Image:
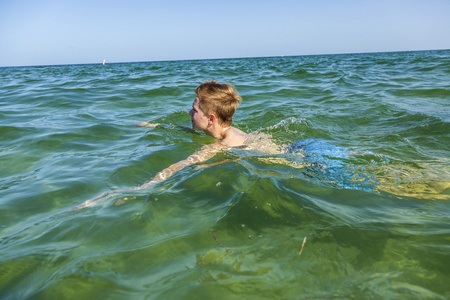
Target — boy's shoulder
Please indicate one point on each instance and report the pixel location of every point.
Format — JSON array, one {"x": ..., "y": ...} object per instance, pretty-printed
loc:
[{"x": 234, "y": 137}]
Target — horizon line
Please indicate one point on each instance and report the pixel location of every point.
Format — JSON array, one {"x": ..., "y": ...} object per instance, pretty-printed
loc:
[{"x": 220, "y": 58}]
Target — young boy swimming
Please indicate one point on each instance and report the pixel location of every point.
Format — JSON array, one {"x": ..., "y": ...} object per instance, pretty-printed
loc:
[{"x": 212, "y": 112}]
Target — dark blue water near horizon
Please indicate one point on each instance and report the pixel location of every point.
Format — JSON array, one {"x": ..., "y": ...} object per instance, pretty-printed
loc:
[
  {"x": 225, "y": 59},
  {"x": 366, "y": 180}
]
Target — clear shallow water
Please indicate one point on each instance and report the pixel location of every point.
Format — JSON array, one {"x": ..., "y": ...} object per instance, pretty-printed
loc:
[{"x": 67, "y": 135}]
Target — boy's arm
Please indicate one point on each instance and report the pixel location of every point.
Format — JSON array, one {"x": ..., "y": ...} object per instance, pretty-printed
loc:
[
  {"x": 205, "y": 153},
  {"x": 169, "y": 126},
  {"x": 146, "y": 124}
]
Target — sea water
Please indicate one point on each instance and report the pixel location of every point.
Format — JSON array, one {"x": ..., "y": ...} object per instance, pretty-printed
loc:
[{"x": 366, "y": 181}]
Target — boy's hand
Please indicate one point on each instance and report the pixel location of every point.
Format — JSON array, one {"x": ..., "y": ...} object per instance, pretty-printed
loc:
[{"x": 146, "y": 124}]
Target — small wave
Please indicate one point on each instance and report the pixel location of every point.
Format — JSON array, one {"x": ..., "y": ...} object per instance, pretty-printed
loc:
[
  {"x": 13, "y": 133},
  {"x": 302, "y": 73},
  {"x": 421, "y": 92},
  {"x": 164, "y": 91},
  {"x": 286, "y": 123}
]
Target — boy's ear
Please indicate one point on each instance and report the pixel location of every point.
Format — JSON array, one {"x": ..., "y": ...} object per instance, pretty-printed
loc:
[{"x": 212, "y": 118}]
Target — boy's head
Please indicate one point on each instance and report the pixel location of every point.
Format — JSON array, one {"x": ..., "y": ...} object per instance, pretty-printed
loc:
[{"x": 220, "y": 99}]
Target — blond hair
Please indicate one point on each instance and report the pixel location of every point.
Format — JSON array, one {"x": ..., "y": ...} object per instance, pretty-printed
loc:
[{"x": 221, "y": 99}]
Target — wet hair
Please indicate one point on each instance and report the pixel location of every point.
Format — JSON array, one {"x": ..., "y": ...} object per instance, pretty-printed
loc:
[{"x": 221, "y": 99}]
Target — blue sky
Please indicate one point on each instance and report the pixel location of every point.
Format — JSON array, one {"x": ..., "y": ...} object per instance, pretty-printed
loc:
[{"x": 44, "y": 32}]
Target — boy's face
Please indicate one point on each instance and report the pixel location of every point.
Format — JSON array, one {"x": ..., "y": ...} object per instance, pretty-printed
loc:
[{"x": 198, "y": 118}]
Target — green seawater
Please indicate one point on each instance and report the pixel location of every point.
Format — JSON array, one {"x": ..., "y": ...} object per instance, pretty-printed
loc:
[{"x": 67, "y": 134}]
